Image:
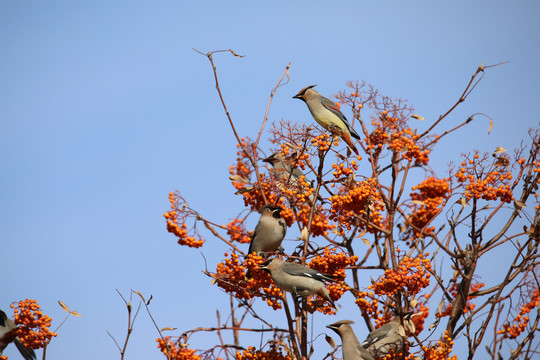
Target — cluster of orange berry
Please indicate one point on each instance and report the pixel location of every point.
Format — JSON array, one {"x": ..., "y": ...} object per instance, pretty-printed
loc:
[
  {"x": 432, "y": 193},
  {"x": 300, "y": 161},
  {"x": 521, "y": 320},
  {"x": 405, "y": 142},
  {"x": 491, "y": 185},
  {"x": 297, "y": 190},
  {"x": 173, "y": 226},
  {"x": 453, "y": 290},
  {"x": 341, "y": 171},
  {"x": 242, "y": 167},
  {"x": 237, "y": 231},
  {"x": 333, "y": 263},
  {"x": 368, "y": 307},
  {"x": 231, "y": 277},
  {"x": 412, "y": 273},
  {"x": 377, "y": 138},
  {"x": 357, "y": 200},
  {"x": 320, "y": 224},
  {"x": 176, "y": 353},
  {"x": 33, "y": 325},
  {"x": 323, "y": 142},
  {"x": 440, "y": 350},
  {"x": 252, "y": 353},
  {"x": 421, "y": 312}
]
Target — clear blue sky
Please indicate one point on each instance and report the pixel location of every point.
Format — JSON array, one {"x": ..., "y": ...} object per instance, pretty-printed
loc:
[{"x": 105, "y": 109}]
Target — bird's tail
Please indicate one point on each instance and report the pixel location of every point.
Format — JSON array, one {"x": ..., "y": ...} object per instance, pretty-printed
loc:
[
  {"x": 324, "y": 294},
  {"x": 347, "y": 138},
  {"x": 27, "y": 353}
]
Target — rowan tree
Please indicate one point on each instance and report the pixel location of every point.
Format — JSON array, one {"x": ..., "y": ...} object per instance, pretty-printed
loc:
[{"x": 362, "y": 217}]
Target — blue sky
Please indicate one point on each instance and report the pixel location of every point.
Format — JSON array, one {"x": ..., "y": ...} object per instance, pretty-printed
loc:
[{"x": 105, "y": 109}]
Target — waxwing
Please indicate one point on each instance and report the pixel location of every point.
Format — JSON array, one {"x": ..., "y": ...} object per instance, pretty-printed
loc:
[
  {"x": 298, "y": 279},
  {"x": 351, "y": 348},
  {"x": 328, "y": 115},
  {"x": 8, "y": 335},
  {"x": 269, "y": 232},
  {"x": 389, "y": 336},
  {"x": 284, "y": 172}
]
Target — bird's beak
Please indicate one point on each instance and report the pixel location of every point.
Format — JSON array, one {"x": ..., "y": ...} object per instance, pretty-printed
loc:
[
  {"x": 264, "y": 265},
  {"x": 297, "y": 97},
  {"x": 333, "y": 328}
]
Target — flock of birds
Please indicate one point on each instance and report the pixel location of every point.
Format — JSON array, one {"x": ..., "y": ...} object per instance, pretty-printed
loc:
[
  {"x": 300, "y": 280},
  {"x": 291, "y": 277}
]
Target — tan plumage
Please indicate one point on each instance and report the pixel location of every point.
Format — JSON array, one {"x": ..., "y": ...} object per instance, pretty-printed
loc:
[
  {"x": 298, "y": 279},
  {"x": 269, "y": 232},
  {"x": 8, "y": 334},
  {"x": 390, "y": 336},
  {"x": 328, "y": 115},
  {"x": 351, "y": 348}
]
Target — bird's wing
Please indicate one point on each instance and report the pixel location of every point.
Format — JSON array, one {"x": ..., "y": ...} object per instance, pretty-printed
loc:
[
  {"x": 295, "y": 269},
  {"x": 364, "y": 354},
  {"x": 253, "y": 237},
  {"x": 331, "y": 106},
  {"x": 375, "y": 336},
  {"x": 283, "y": 225},
  {"x": 27, "y": 353}
]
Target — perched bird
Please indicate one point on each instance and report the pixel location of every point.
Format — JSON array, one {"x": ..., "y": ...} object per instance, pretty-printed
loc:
[
  {"x": 389, "y": 336},
  {"x": 298, "y": 279},
  {"x": 328, "y": 115},
  {"x": 351, "y": 349},
  {"x": 8, "y": 334},
  {"x": 285, "y": 172},
  {"x": 269, "y": 232}
]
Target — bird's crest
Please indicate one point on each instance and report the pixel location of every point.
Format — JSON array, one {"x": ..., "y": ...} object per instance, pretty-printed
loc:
[{"x": 303, "y": 91}]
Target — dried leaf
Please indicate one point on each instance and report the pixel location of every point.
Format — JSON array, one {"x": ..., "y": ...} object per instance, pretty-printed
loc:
[
  {"x": 74, "y": 313},
  {"x": 244, "y": 190},
  {"x": 330, "y": 341},
  {"x": 499, "y": 150},
  {"x": 417, "y": 202},
  {"x": 167, "y": 328},
  {"x": 410, "y": 327},
  {"x": 413, "y": 302},
  {"x": 142, "y": 297},
  {"x": 238, "y": 178},
  {"x": 291, "y": 145},
  {"x": 361, "y": 233},
  {"x": 462, "y": 202},
  {"x": 432, "y": 326},
  {"x": 366, "y": 241},
  {"x": 439, "y": 309},
  {"x": 490, "y": 126},
  {"x": 63, "y": 306},
  {"x": 350, "y": 182},
  {"x": 335, "y": 231},
  {"x": 519, "y": 204},
  {"x": 417, "y": 117},
  {"x": 305, "y": 235}
]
